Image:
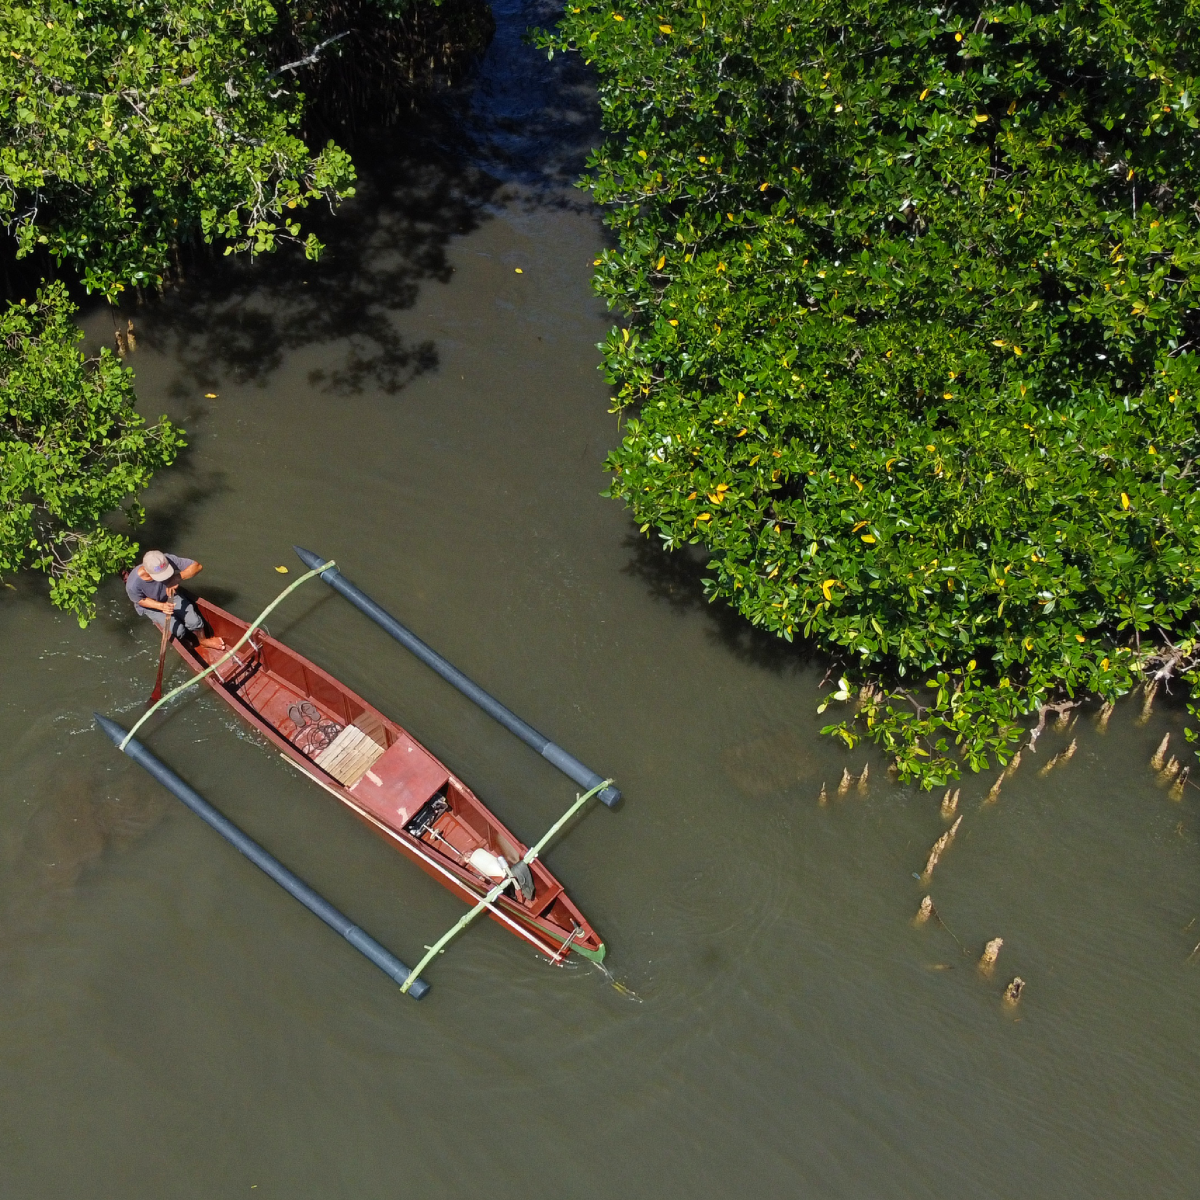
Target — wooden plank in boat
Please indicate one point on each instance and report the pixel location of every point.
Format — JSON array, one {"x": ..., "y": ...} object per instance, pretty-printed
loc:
[{"x": 349, "y": 756}]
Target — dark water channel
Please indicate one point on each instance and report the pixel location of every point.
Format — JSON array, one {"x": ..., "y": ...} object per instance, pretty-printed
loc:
[{"x": 175, "y": 1027}]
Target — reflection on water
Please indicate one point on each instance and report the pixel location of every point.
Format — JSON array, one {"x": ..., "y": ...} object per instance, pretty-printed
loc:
[{"x": 175, "y": 1026}]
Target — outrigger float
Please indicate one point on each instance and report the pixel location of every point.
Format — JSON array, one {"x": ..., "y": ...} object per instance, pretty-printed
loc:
[{"x": 387, "y": 779}]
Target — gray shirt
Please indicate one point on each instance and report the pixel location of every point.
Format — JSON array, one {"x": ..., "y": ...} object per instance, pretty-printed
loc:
[{"x": 139, "y": 589}]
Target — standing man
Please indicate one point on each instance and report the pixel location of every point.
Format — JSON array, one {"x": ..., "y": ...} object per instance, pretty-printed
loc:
[{"x": 154, "y": 589}]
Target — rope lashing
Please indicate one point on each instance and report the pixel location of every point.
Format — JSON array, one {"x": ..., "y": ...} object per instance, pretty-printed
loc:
[
  {"x": 492, "y": 896},
  {"x": 262, "y": 616}
]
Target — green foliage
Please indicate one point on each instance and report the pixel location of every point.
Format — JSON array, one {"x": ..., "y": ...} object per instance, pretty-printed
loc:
[
  {"x": 128, "y": 127},
  {"x": 912, "y": 352},
  {"x": 72, "y": 449}
]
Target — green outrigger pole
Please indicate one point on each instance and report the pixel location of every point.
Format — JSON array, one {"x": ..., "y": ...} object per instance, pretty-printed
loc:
[{"x": 496, "y": 892}]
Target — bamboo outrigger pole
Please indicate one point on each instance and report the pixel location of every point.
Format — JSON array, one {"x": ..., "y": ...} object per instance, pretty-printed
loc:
[
  {"x": 490, "y": 899},
  {"x": 568, "y": 764},
  {"x": 366, "y": 945}
]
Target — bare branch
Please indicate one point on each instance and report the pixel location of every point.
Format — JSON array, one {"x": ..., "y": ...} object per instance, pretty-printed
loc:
[{"x": 309, "y": 59}]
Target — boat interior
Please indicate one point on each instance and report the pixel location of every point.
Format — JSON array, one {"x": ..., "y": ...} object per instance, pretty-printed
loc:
[{"x": 386, "y": 772}]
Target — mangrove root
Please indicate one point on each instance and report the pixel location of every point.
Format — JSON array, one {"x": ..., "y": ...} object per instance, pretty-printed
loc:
[
  {"x": 862, "y": 779},
  {"x": 823, "y": 798},
  {"x": 1176, "y": 792},
  {"x": 924, "y": 912},
  {"x": 939, "y": 848},
  {"x": 991, "y": 952},
  {"x": 994, "y": 792},
  {"x": 1050, "y": 765},
  {"x": 1156, "y": 763},
  {"x": 1011, "y": 769},
  {"x": 131, "y": 337},
  {"x": 844, "y": 786},
  {"x": 1106, "y": 711},
  {"x": 1148, "y": 703},
  {"x": 949, "y": 803},
  {"x": 1012, "y": 993}
]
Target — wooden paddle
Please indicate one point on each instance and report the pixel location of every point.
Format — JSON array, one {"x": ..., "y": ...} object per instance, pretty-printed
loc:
[{"x": 156, "y": 695}]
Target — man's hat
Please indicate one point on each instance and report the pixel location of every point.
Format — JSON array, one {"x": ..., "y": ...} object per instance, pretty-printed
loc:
[{"x": 158, "y": 566}]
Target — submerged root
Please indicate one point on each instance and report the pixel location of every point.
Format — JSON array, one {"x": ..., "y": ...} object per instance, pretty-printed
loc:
[
  {"x": 131, "y": 337},
  {"x": 1012, "y": 993},
  {"x": 939, "y": 848},
  {"x": 823, "y": 798},
  {"x": 1148, "y": 703},
  {"x": 1168, "y": 773},
  {"x": 862, "y": 779},
  {"x": 1011, "y": 769},
  {"x": 1156, "y": 763},
  {"x": 1050, "y": 765},
  {"x": 991, "y": 952},
  {"x": 1176, "y": 792},
  {"x": 950, "y": 803},
  {"x": 994, "y": 792},
  {"x": 924, "y": 912},
  {"x": 1106, "y": 711},
  {"x": 1069, "y": 752},
  {"x": 844, "y": 786}
]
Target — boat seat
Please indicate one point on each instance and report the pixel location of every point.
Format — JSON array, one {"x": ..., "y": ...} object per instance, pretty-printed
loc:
[{"x": 350, "y": 755}]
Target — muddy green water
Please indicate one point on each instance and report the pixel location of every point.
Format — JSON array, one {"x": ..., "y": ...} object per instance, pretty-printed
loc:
[{"x": 173, "y": 1026}]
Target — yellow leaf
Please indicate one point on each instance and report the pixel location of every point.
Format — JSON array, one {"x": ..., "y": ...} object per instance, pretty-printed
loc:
[
  {"x": 1152, "y": 450},
  {"x": 658, "y": 266},
  {"x": 1018, "y": 351},
  {"x": 518, "y": 270},
  {"x": 665, "y": 29},
  {"x": 210, "y": 395},
  {"x": 282, "y": 570},
  {"x": 742, "y": 432},
  {"x": 704, "y": 517},
  {"x": 958, "y": 37},
  {"x": 641, "y": 154},
  {"x": 866, "y": 537},
  {"x": 1012, "y": 108},
  {"x": 923, "y": 94},
  {"x": 947, "y": 395},
  {"x": 1029, "y": 643},
  {"x": 763, "y": 187},
  {"x": 887, "y": 466},
  {"x": 1124, "y": 500},
  {"x": 1104, "y": 663},
  {"x": 1080, "y": 638},
  {"x": 672, "y": 322},
  {"x": 827, "y": 585},
  {"x": 931, "y": 449},
  {"x": 980, "y": 118},
  {"x": 971, "y": 665},
  {"x": 858, "y": 526},
  {"x": 617, "y": 17}
]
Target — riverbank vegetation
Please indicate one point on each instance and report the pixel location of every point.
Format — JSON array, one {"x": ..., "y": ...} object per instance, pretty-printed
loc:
[
  {"x": 911, "y": 349},
  {"x": 130, "y": 132}
]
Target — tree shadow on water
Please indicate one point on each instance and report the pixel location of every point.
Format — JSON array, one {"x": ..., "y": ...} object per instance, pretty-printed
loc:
[
  {"x": 237, "y": 318},
  {"x": 677, "y": 580}
]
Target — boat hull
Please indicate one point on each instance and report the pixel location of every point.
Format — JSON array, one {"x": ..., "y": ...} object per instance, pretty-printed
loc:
[{"x": 390, "y": 782}]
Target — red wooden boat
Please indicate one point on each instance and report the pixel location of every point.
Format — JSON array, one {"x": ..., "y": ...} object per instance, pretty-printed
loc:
[{"x": 390, "y": 781}]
